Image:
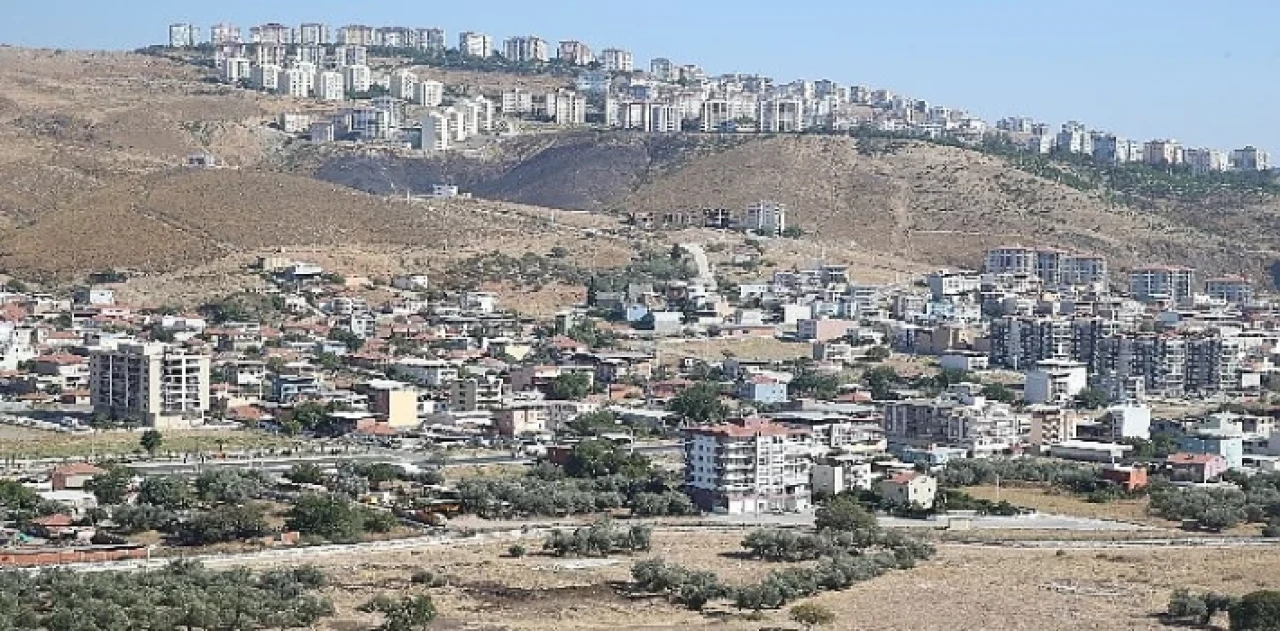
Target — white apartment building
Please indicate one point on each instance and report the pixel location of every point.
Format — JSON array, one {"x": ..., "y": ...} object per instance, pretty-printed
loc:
[
  {"x": 781, "y": 116},
  {"x": 477, "y": 115},
  {"x": 273, "y": 54},
  {"x": 17, "y": 345},
  {"x": 351, "y": 55},
  {"x": 765, "y": 217},
  {"x": 236, "y": 68},
  {"x": 1204, "y": 160},
  {"x": 754, "y": 466},
  {"x": 329, "y": 86},
  {"x": 429, "y": 93},
  {"x": 357, "y": 78},
  {"x": 526, "y": 48},
  {"x": 402, "y": 84},
  {"x": 1055, "y": 382},
  {"x": 1109, "y": 149},
  {"x": 314, "y": 34},
  {"x": 224, "y": 34},
  {"x": 617, "y": 60},
  {"x": 474, "y": 44},
  {"x": 1230, "y": 289},
  {"x": 183, "y": 35},
  {"x": 296, "y": 82},
  {"x": 160, "y": 385},
  {"x": 267, "y": 77},
  {"x": 431, "y": 39},
  {"x": 575, "y": 53},
  {"x": 271, "y": 33},
  {"x": 517, "y": 102},
  {"x": 1162, "y": 282},
  {"x": 663, "y": 69},
  {"x": 566, "y": 107},
  {"x": 1162, "y": 153}
]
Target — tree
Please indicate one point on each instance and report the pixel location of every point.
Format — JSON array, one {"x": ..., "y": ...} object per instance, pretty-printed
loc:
[
  {"x": 1258, "y": 610},
  {"x": 166, "y": 491},
  {"x": 1091, "y": 399},
  {"x": 999, "y": 392},
  {"x": 699, "y": 404},
  {"x": 349, "y": 339},
  {"x": 410, "y": 613},
  {"x": 571, "y": 386},
  {"x": 110, "y": 487},
  {"x": 812, "y": 615},
  {"x": 881, "y": 380},
  {"x": 592, "y": 423},
  {"x": 844, "y": 514},
  {"x": 228, "y": 485},
  {"x": 225, "y": 523},
  {"x": 305, "y": 473},
  {"x": 877, "y": 353},
  {"x": 326, "y": 515},
  {"x": 599, "y": 458},
  {"x": 151, "y": 440}
]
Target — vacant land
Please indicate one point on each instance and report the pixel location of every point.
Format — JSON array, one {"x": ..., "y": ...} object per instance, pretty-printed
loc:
[
  {"x": 965, "y": 587},
  {"x": 1048, "y": 500},
  {"x": 29, "y": 443}
]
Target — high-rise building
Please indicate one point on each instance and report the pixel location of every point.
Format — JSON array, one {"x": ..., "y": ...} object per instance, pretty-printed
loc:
[
  {"x": 313, "y": 33},
  {"x": 351, "y": 55},
  {"x": 183, "y": 35},
  {"x": 566, "y": 107},
  {"x": 356, "y": 35},
  {"x": 267, "y": 77},
  {"x": 575, "y": 53},
  {"x": 357, "y": 78},
  {"x": 236, "y": 68},
  {"x": 1162, "y": 153},
  {"x": 329, "y": 86},
  {"x": 157, "y": 384},
  {"x": 1162, "y": 282},
  {"x": 663, "y": 69},
  {"x": 617, "y": 60},
  {"x": 1250, "y": 159},
  {"x": 271, "y": 33},
  {"x": 526, "y": 48},
  {"x": 224, "y": 34},
  {"x": 753, "y": 466},
  {"x": 765, "y": 217},
  {"x": 1205, "y": 160},
  {"x": 403, "y": 83},
  {"x": 781, "y": 116},
  {"x": 297, "y": 82},
  {"x": 431, "y": 39},
  {"x": 429, "y": 93},
  {"x": 270, "y": 54},
  {"x": 1235, "y": 290},
  {"x": 474, "y": 44}
]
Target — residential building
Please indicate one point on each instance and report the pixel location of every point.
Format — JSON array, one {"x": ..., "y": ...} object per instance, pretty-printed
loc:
[
  {"x": 357, "y": 79},
  {"x": 74, "y": 476},
  {"x": 765, "y": 217},
  {"x": 267, "y": 77},
  {"x": 1128, "y": 478},
  {"x": 1010, "y": 260},
  {"x": 432, "y": 40},
  {"x": 329, "y": 86},
  {"x": 977, "y": 425},
  {"x": 1235, "y": 290},
  {"x": 1051, "y": 425},
  {"x": 1089, "y": 451},
  {"x": 1128, "y": 420},
  {"x": 1074, "y": 138},
  {"x": 909, "y": 488},
  {"x": 1108, "y": 149},
  {"x": 1226, "y": 442},
  {"x": 314, "y": 34},
  {"x": 296, "y": 82},
  {"x": 526, "y": 49},
  {"x": 435, "y": 132},
  {"x": 183, "y": 35},
  {"x": 824, "y": 330},
  {"x": 565, "y": 107},
  {"x": 1203, "y": 161},
  {"x": 270, "y": 54},
  {"x": 1250, "y": 159},
  {"x": 224, "y": 34},
  {"x": 616, "y": 60},
  {"x": 845, "y": 472},
  {"x": 517, "y": 102},
  {"x": 1162, "y": 153},
  {"x": 351, "y": 55},
  {"x": 403, "y": 84},
  {"x": 236, "y": 69},
  {"x": 1056, "y": 381},
  {"x": 575, "y": 53},
  {"x": 1162, "y": 282},
  {"x": 356, "y": 35},
  {"x": 762, "y": 389},
  {"x": 272, "y": 33},
  {"x": 752, "y": 466},
  {"x": 429, "y": 93},
  {"x": 663, "y": 69},
  {"x": 395, "y": 404},
  {"x": 1018, "y": 341},
  {"x": 781, "y": 116},
  {"x": 1196, "y": 467},
  {"x": 474, "y": 44},
  {"x": 157, "y": 384},
  {"x": 520, "y": 420},
  {"x": 468, "y": 395}
]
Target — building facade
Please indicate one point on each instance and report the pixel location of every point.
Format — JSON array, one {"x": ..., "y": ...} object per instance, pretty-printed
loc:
[{"x": 159, "y": 385}]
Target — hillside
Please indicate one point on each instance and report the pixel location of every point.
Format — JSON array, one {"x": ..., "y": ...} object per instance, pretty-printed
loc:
[{"x": 932, "y": 204}]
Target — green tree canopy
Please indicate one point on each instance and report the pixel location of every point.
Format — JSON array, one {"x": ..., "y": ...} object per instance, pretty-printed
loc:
[
  {"x": 571, "y": 386},
  {"x": 699, "y": 404}
]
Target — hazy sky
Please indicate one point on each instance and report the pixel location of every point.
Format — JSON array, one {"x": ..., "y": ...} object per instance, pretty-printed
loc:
[{"x": 1202, "y": 72}]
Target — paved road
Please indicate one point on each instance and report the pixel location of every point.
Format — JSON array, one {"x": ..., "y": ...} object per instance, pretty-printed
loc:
[{"x": 1036, "y": 521}]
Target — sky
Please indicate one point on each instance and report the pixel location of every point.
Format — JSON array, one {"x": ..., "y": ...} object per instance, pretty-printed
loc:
[{"x": 1201, "y": 72}]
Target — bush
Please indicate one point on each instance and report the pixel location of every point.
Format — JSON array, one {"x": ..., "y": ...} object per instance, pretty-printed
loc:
[
  {"x": 516, "y": 550},
  {"x": 1256, "y": 611},
  {"x": 429, "y": 578},
  {"x": 812, "y": 615},
  {"x": 599, "y": 539}
]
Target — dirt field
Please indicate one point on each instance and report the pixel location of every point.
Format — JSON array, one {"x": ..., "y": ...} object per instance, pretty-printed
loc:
[
  {"x": 30, "y": 443},
  {"x": 964, "y": 587},
  {"x": 1051, "y": 501}
]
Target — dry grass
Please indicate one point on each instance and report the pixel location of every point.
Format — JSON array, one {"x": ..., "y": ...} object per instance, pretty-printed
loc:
[
  {"x": 29, "y": 443},
  {"x": 965, "y": 587},
  {"x": 1061, "y": 503}
]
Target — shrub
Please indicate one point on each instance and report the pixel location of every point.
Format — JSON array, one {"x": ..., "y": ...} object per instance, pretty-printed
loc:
[{"x": 516, "y": 550}]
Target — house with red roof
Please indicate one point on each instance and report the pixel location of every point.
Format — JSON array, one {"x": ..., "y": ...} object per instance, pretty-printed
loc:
[
  {"x": 1199, "y": 468},
  {"x": 909, "y": 488}
]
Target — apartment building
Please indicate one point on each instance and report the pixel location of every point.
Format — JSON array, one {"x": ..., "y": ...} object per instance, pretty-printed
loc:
[
  {"x": 159, "y": 385},
  {"x": 474, "y": 44},
  {"x": 1158, "y": 362},
  {"x": 235, "y": 69},
  {"x": 356, "y": 35},
  {"x": 403, "y": 83},
  {"x": 1234, "y": 290},
  {"x": 357, "y": 78},
  {"x": 565, "y": 107},
  {"x": 431, "y": 39},
  {"x": 1055, "y": 382},
  {"x": 1019, "y": 342},
  {"x": 428, "y": 93},
  {"x": 526, "y": 49},
  {"x": 975, "y": 424},
  {"x": 314, "y": 34},
  {"x": 1162, "y": 282},
  {"x": 781, "y": 116},
  {"x": 183, "y": 35},
  {"x": 663, "y": 69},
  {"x": 575, "y": 53},
  {"x": 1250, "y": 159},
  {"x": 765, "y": 217},
  {"x": 752, "y": 466},
  {"x": 1108, "y": 149},
  {"x": 351, "y": 55},
  {"x": 617, "y": 60},
  {"x": 224, "y": 34},
  {"x": 1162, "y": 153},
  {"x": 1202, "y": 161},
  {"x": 395, "y": 37},
  {"x": 329, "y": 86},
  {"x": 267, "y": 77},
  {"x": 469, "y": 395},
  {"x": 271, "y": 33}
]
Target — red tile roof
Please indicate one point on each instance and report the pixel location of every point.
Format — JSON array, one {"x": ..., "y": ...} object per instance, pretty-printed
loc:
[
  {"x": 78, "y": 468},
  {"x": 1185, "y": 458}
]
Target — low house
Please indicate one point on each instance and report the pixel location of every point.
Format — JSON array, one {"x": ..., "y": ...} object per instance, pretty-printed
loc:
[
  {"x": 909, "y": 488},
  {"x": 762, "y": 389},
  {"x": 1127, "y": 478},
  {"x": 57, "y": 526},
  {"x": 1200, "y": 468},
  {"x": 73, "y": 476}
]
